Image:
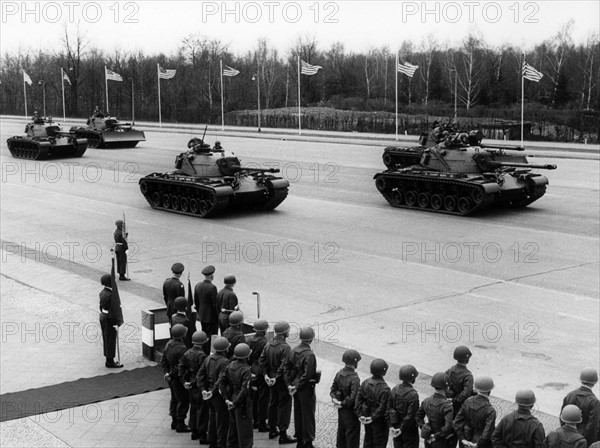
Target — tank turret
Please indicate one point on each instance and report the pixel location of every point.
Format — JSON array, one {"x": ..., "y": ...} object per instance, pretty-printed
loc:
[{"x": 104, "y": 131}]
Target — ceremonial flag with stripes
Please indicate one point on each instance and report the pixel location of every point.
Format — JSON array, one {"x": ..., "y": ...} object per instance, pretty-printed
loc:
[
  {"x": 307, "y": 69},
  {"x": 66, "y": 78},
  {"x": 113, "y": 76},
  {"x": 228, "y": 71},
  {"x": 408, "y": 69},
  {"x": 531, "y": 73},
  {"x": 26, "y": 78},
  {"x": 164, "y": 73}
]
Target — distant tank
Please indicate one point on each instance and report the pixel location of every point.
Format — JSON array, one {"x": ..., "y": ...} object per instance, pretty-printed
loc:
[
  {"x": 460, "y": 176},
  {"x": 44, "y": 139},
  {"x": 104, "y": 131},
  {"x": 209, "y": 180}
]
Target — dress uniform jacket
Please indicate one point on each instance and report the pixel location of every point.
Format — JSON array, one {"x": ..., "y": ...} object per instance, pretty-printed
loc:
[
  {"x": 257, "y": 344},
  {"x": 172, "y": 288},
  {"x": 439, "y": 413},
  {"x": 235, "y": 386},
  {"x": 109, "y": 334},
  {"x": 270, "y": 363},
  {"x": 402, "y": 411},
  {"x": 476, "y": 421},
  {"x": 345, "y": 389},
  {"x": 461, "y": 385},
  {"x": 207, "y": 379},
  {"x": 189, "y": 365},
  {"x": 585, "y": 400},
  {"x": 169, "y": 362},
  {"x": 120, "y": 247},
  {"x": 519, "y": 429},
  {"x": 565, "y": 437},
  {"x": 235, "y": 336},
  {"x": 205, "y": 300},
  {"x": 226, "y": 299},
  {"x": 372, "y": 401},
  {"x": 182, "y": 319}
]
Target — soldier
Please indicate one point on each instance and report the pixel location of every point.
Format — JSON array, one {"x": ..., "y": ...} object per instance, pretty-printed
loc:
[
  {"x": 172, "y": 354},
  {"x": 260, "y": 399},
  {"x": 107, "y": 325},
  {"x": 475, "y": 422},
  {"x": 207, "y": 379},
  {"x": 589, "y": 405},
  {"x": 180, "y": 317},
  {"x": 343, "y": 395},
  {"x": 301, "y": 376},
  {"x": 520, "y": 428},
  {"x": 227, "y": 302},
  {"x": 205, "y": 301},
  {"x": 234, "y": 333},
  {"x": 189, "y": 365},
  {"x": 567, "y": 435},
  {"x": 371, "y": 406},
  {"x": 236, "y": 389},
  {"x": 402, "y": 410},
  {"x": 271, "y": 359},
  {"x": 173, "y": 288},
  {"x": 437, "y": 431},
  {"x": 121, "y": 246},
  {"x": 461, "y": 381}
]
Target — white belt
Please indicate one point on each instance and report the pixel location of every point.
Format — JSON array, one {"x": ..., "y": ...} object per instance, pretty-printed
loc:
[{"x": 104, "y": 311}]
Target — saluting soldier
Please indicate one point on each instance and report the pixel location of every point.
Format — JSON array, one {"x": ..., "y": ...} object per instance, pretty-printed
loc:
[
  {"x": 107, "y": 325},
  {"x": 205, "y": 301},
  {"x": 520, "y": 428},
  {"x": 567, "y": 435},
  {"x": 589, "y": 405},
  {"x": 475, "y": 422},
  {"x": 402, "y": 410},
  {"x": 343, "y": 395},
  {"x": 227, "y": 302},
  {"x": 180, "y": 317},
  {"x": 371, "y": 406},
  {"x": 437, "y": 430},
  {"x": 173, "y": 288},
  {"x": 121, "y": 246},
  {"x": 234, "y": 333},
  {"x": 260, "y": 399}
]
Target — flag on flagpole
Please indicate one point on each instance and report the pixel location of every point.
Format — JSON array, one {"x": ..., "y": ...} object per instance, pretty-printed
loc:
[
  {"x": 66, "y": 78},
  {"x": 164, "y": 73},
  {"x": 228, "y": 71},
  {"x": 408, "y": 69},
  {"x": 113, "y": 76},
  {"x": 189, "y": 312},
  {"x": 307, "y": 69},
  {"x": 115, "y": 312},
  {"x": 531, "y": 73},
  {"x": 26, "y": 78}
]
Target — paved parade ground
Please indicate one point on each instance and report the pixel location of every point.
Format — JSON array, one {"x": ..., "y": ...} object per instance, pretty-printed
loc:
[{"x": 519, "y": 287}]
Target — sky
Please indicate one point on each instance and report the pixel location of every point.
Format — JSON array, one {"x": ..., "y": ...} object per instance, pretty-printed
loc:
[{"x": 159, "y": 27}]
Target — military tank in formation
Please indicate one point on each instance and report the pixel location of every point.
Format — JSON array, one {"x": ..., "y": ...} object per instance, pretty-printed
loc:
[
  {"x": 458, "y": 175},
  {"x": 209, "y": 180},
  {"x": 104, "y": 131},
  {"x": 44, "y": 139}
]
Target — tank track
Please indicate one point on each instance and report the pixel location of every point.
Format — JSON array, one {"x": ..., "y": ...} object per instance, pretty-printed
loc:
[
  {"x": 276, "y": 197},
  {"x": 22, "y": 148}
]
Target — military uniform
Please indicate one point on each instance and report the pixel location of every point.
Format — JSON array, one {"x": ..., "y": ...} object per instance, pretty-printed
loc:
[
  {"x": 109, "y": 333},
  {"x": 226, "y": 300},
  {"x": 260, "y": 399},
  {"x": 207, "y": 308},
  {"x": 476, "y": 421},
  {"x": 121, "y": 247},
  {"x": 461, "y": 385},
  {"x": 344, "y": 389},
  {"x": 565, "y": 436},
  {"x": 169, "y": 362},
  {"x": 234, "y": 384},
  {"x": 401, "y": 411},
  {"x": 235, "y": 336},
  {"x": 519, "y": 429},
  {"x": 438, "y": 410},
  {"x": 189, "y": 365},
  {"x": 172, "y": 288},
  {"x": 207, "y": 379},
  {"x": 589, "y": 404},
  {"x": 181, "y": 318},
  {"x": 372, "y": 401}
]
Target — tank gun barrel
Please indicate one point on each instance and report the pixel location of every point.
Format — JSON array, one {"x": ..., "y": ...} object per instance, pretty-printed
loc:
[
  {"x": 509, "y": 147},
  {"x": 540, "y": 166},
  {"x": 250, "y": 168}
]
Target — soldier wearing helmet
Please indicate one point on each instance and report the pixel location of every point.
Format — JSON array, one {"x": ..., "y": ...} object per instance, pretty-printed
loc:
[
  {"x": 180, "y": 317},
  {"x": 343, "y": 395},
  {"x": 461, "y": 381},
  {"x": 437, "y": 431},
  {"x": 589, "y": 405},
  {"x": 173, "y": 288},
  {"x": 235, "y": 387},
  {"x": 227, "y": 302},
  {"x": 280, "y": 401},
  {"x": 169, "y": 362},
  {"x": 402, "y": 409},
  {"x": 205, "y": 301},
  {"x": 476, "y": 419},
  {"x": 121, "y": 247},
  {"x": 520, "y": 428},
  {"x": 108, "y": 326},
  {"x": 188, "y": 370},
  {"x": 234, "y": 333},
  {"x": 207, "y": 380},
  {"x": 567, "y": 434},
  {"x": 371, "y": 405},
  {"x": 260, "y": 398}
]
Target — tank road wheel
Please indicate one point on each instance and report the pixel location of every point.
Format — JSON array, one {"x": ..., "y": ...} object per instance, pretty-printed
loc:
[
  {"x": 194, "y": 206},
  {"x": 437, "y": 201},
  {"x": 450, "y": 203},
  {"x": 166, "y": 201},
  {"x": 380, "y": 184},
  {"x": 423, "y": 199},
  {"x": 387, "y": 161},
  {"x": 464, "y": 204},
  {"x": 93, "y": 141},
  {"x": 203, "y": 207},
  {"x": 156, "y": 199},
  {"x": 410, "y": 198},
  {"x": 144, "y": 188},
  {"x": 174, "y": 202},
  {"x": 477, "y": 195},
  {"x": 396, "y": 196},
  {"x": 184, "y": 204}
]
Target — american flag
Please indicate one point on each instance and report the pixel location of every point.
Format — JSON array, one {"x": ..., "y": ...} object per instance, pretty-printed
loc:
[
  {"x": 113, "y": 76},
  {"x": 66, "y": 78},
  {"x": 164, "y": 73},
  {"x": 408, "y": 69},
  {"x": 307, "y": 69},
  {"x": 531, "y": 73},
  {"x": 228, "y": 71},
  {"x": 27, "y": 78}
]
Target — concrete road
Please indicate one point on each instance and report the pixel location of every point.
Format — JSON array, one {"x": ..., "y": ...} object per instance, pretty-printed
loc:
[{"x": 518, "y": 287}]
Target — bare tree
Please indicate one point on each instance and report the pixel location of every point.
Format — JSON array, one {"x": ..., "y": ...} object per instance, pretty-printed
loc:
[
  {"x": 425, "y": 60},
  {"x": 559, "y": 46},
  {"x": 469, "y": 69},
  {"x": 75, "y": 44},
  {"x": 588, "y": 60}
]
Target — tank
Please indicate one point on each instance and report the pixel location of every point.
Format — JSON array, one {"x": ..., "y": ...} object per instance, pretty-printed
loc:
[
  {"x": 208, "y": 180},
  {"x": 104, "y": 131},
  {"x": 45, "y": 139},
  {"x": 460, "y": 176}
]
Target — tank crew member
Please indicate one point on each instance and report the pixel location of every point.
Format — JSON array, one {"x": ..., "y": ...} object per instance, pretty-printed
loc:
[
  {"x": 180, "y": 317},
  {"x": 276, "y": 352},
  {"x": 227, "y": 302},
  {"x": 172, "y": 354},
  {"x": 402, "y": 410},
  {"x": 173, "y": 288},
  {"x": 343, "y": 395},
  {"x": 520, "y": 428},
  {"x": 461, "y": 381},
  {"x": 476, "y": 420},
  {"x": 217, "y": 147},
  {"x": 371, "y": 406},
  {"x": 189, "y": 365},
  {"x": 589, "y": 405},
  {"x": 260, "y": 399},
  {"x": 107, "y": 325},
  {"x": 205, "y": 301},
  {"x": 567, "y": 435},
  {"x": 234, "y": 333},
  {"x": 437, "y": 431},
  {"x": 301, "y": 376},
  {"x": 207, "y": 379},
  {"x": 121, "y": 247},
  {"x": 235, "y": 387}
]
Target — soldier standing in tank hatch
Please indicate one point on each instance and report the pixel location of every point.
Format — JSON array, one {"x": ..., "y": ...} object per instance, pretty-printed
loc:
[
  {"x": 520, "y": 428},
  {"x": 343, "y": 395},
  {"x": 402, "y": 410},
  {"x": 207, "y": 308},
  {"x": 589, "y": 405},
  {"x": 121, "y": 247},
  {"x": 228, "y": 302},
  {"x": 173, "y": 288},
  {"x": 475, "y": 422},
  {"x": 107, "y": 325}
]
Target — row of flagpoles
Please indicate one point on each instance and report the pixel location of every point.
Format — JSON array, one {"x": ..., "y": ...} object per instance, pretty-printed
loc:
[{"x": 304, "y": 68}]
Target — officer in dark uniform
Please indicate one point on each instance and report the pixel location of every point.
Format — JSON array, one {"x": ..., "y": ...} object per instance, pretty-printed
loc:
[
  {"x": 180, "y": 401},
  {"x": 271, "y": 360},
  {"x": 475, "y": 422},
  {"x": 227, "y": 302},
  {"x": 402, "y": 410},
  {"x": 107, "y": 325},
  {"x": 173, "y": 288},
  {"x": 520, "y": 428},
  {"x": 589, "y": 405},
  {"x": 343, "y": 395},
  {"x": 437, "y": 432},
  {"x": 236, "y": 389},
  {"x": 260, "y": 398},
  {"x": 207, "y": 379},
  {"x": 189, "y": 365},
  {"x": 205, "y": 301},
  {"x": 461, "y": 381},
  {"x": 180, "y": 317},
  {"x": 234, "y": 333},
  {"x": 301, "y": 377},
  {"x": 121, "y": 247},
  {"x": 567, "y": 435},
  {"x": 371, "y": 406}
]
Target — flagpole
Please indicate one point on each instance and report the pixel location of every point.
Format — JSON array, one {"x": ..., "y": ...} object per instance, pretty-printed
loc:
[
  {"x": 222, "y": 109},
  {"x": 522, "y": 96},
  {"x": 106, "y": 84},
  {"x": 62, "y": 81},
  {"x": 396, "y": 70},
  {"x": 132, "y": 103},
  {"x": 25, "y": 94},
  {"x": 158, "y": 81},
  {"x": 299, "y": 114}
]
